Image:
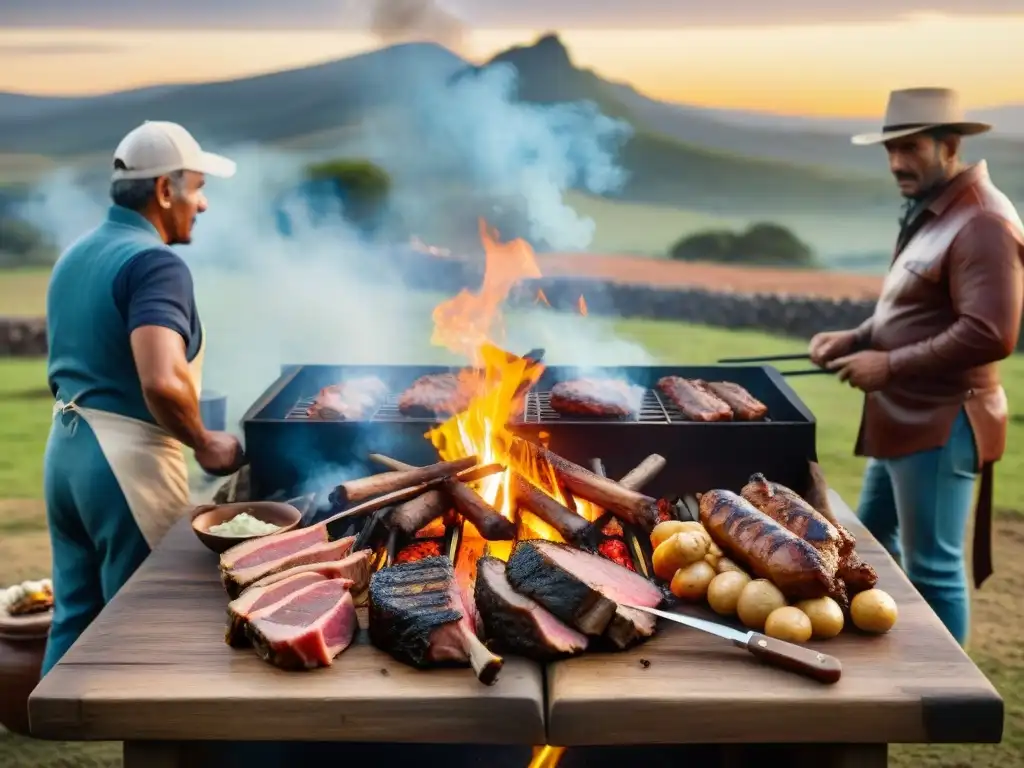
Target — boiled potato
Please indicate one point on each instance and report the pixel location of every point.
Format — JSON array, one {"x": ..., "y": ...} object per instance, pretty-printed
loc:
[
  {"x": 757, "y": 600},
  {"x": 724, "y": 591},
  {"x": 670, "y": 527},
  {"x": 691, "y": 582},
  {"x": 712, "y": 560},
  {"x": 678, "y": 551},
  {"x": 725, "y": 564},
  {"x": 714, "y": 550},
  {"x": 873, "y": 611},
  {"x": 826, "y": 617},
  {"x": 788, "y": 623}
]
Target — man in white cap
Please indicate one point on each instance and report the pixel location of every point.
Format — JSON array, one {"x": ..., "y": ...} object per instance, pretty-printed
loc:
[
  {"x": 950, "y": 309},
  {"x": 124, "y": 366}
]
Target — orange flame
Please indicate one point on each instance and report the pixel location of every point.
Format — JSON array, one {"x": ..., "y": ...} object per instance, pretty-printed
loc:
[
  {"x": 542, "y": 298},
  {"x": 583, "y": 305},
  {"x": 498, "y": 382}
]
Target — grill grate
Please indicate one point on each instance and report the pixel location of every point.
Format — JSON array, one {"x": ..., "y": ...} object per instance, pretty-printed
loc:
[{"x": 654, "y": 410}]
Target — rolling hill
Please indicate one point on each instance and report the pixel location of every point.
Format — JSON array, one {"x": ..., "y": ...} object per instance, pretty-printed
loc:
[{"x": 720, "y": 164}]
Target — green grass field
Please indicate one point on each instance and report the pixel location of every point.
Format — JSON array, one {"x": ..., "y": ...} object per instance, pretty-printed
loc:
[{"x": 25, "y": 412}]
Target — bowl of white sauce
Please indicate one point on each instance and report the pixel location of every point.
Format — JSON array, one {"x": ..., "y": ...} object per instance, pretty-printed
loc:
[{"x": 222, "y": 526}]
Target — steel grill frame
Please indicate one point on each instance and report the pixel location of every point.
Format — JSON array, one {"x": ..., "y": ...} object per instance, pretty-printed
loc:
[{"x": 287, "y": 448}]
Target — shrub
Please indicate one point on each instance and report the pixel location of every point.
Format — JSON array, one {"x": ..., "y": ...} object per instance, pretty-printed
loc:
[{"x": 762, "y": 243}]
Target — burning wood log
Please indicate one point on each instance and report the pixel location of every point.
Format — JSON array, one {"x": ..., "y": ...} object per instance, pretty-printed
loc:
[
  {"x": 643, "y": 473},
  {"x": 570, "y": 526},
  {"x": 405, "y": 494},
  {"x": 411, "y": 516},
  {"x": 623, "y": 502},
  {"x": 367, "y": 487},
  {"x": 491, "y": 525}
]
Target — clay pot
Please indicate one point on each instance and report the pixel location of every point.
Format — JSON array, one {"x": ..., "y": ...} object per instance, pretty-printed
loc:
[{"x": 22, "y": 645}]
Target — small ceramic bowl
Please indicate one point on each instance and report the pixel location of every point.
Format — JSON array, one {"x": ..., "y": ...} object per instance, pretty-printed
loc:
[{"x": 205, "y": 517}]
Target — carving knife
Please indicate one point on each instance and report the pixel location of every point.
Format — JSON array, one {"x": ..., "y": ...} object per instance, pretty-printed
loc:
[{"x": 779, "y": 653}]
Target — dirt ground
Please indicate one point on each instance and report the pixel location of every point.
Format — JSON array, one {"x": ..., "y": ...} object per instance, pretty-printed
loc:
[
  {"x": 996, "y": 647},
  {"x": 719, "y": 277}
]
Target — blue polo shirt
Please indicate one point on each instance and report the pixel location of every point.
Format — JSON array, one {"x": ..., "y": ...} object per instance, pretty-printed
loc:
[{"x": 112, "y": 280}]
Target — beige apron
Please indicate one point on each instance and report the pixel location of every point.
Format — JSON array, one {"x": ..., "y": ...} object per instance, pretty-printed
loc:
[{"x": 147, "y": 462}]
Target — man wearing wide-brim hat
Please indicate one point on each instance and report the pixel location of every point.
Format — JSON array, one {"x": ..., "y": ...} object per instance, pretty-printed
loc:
[{"x": 935, "y": 413}]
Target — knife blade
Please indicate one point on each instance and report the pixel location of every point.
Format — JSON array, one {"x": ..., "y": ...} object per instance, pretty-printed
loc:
[{"x": 789, "y": 656}]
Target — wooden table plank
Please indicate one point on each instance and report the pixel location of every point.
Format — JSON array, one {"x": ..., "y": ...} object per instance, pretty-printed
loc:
[
  {"x": 914, "y": 684},
  {"x": 154, "y": 665}
]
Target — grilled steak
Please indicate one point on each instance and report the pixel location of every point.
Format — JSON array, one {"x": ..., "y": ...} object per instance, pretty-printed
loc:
[
  {"x": 418, "y": 616},
  {"x": 351, "y": 400},
  {"x": 436, "y": 394},
  {"x": 257, "y": 600},
  {"x": 597, "y": 397},
  {"x": 516, "y": 624},
  {"x": 269, "y": 548},
  {"x": 308, "y": 628},
  {"x": 765, "y": 547},
  {"x": 238, "y": 578},
  {"x": 584, "y": 590},
  {"x": 693, "y": 400},
  {"x": 355, "y": 567},
  {"x": 745, "y": 407},
  {"x": 833, "y": 541}
]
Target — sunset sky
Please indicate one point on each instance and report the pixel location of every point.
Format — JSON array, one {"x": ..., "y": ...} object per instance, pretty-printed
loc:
[{"x": 785, "y": 56}]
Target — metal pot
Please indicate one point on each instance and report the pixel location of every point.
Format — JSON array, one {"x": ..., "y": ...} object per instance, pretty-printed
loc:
[{"x": 22, "y": 645}]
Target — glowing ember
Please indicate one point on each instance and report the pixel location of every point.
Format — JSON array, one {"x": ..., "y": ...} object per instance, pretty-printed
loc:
[{"x": 546, "y": 757}]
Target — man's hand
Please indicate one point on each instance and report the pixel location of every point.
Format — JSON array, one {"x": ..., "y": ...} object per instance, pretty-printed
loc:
[
  {"x": 826, "y": 347},
  {"x": 867, "y": 371},
  {"x": 220, "y": 454}
]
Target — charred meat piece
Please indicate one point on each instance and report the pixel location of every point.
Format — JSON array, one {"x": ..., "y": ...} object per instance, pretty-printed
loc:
[
  {"x": 764, "y": 546},
  {"x": 693, "y": 400},
  {"x": 307, "y": 629},
  {"x": 584, "y": 590},
  {"x": 436, "y": 394},
  {"x": 355, "y": 567},
  {"x": 516, "y": 624},
  {"x": 417, "y": 615},
  {"x": 257, "y": 600},
  {"x": 745, "y": 407},
  {"x": 352, "y": 400},
  {"x": 597, "y": 397},
  {"x": 236, "y": 579}
]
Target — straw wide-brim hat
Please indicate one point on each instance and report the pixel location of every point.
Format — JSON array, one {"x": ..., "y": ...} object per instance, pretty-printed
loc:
[{"x": 913, "y": 110}]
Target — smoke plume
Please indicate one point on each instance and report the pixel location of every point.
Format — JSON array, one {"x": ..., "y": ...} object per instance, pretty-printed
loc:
[
  {"x": 325, "y": 293},
  {"x": 396, "y": 21}
]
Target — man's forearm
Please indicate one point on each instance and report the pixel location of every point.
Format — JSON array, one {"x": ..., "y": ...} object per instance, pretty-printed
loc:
[
  {"x": 967, "y": 344},
  {"x": 175, "y": 406}
]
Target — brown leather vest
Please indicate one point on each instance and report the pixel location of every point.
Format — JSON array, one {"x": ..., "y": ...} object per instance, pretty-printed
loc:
[{"x": 949, "y": 310}]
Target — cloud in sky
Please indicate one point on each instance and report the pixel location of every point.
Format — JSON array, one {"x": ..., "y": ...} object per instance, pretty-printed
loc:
[{"x": 579, "y": 14}]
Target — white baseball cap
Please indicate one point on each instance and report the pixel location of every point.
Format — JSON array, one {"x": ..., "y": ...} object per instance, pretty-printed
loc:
[{"x": 157, "y": 148}]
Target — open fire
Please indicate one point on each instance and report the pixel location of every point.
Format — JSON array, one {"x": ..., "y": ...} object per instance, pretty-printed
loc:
[{"x": 472, "y": 324}]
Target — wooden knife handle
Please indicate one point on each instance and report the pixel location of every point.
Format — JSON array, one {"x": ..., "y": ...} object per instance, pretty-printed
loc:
[{"x": 795, "y": 658}]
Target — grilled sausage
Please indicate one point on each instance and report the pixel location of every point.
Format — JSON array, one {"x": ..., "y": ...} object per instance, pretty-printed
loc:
[
  {"x": 765, "y": 546},
  {"x": 786, "y": 507}
]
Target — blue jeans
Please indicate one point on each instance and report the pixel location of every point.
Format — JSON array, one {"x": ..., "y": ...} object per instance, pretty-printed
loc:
[
  {"x": 94, "y": 539},
  {"x": 918, "y": 507}
]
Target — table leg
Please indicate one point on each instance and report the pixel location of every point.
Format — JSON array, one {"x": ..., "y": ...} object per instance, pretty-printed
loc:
[{"x": 154, "y": 754}]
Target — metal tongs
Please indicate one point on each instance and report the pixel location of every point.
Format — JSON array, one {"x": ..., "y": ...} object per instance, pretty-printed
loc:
[{"x": 777, "y": 359}]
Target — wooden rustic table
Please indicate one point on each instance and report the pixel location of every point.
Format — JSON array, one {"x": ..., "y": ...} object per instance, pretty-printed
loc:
[
  {"x": 153, "y": 671},
  {"x": 912, "y": 685}
]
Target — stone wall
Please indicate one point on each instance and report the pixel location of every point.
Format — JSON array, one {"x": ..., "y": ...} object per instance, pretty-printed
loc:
[{"x": 22, "y": 336}]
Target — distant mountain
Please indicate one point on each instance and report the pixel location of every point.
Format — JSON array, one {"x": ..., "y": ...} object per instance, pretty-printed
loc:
[{"x": 712, "y": 160}]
